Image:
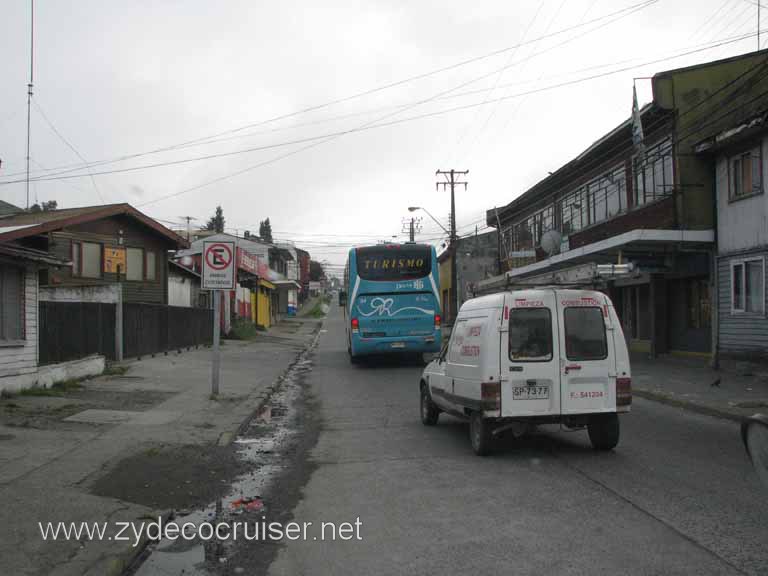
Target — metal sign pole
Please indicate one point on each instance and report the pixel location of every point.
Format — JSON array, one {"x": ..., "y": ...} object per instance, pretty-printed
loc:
[{"x": 216, "y": 364}]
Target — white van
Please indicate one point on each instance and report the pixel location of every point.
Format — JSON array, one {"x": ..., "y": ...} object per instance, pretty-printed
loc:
[{"x": 527, "y": 357}]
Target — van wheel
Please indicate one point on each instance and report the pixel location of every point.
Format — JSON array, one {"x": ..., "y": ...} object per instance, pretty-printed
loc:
[
  {"x": 603, "y": 431},
  {"x": 429, "y": 411},
  {"x": 480, "y": 434}
]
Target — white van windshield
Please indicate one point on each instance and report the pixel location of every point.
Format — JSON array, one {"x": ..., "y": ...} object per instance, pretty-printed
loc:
[
  {"x": 530, "y": 335},
  {"x": 585, "y": 334}
]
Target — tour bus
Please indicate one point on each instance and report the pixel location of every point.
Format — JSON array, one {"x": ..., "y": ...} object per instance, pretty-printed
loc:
[{"x": 393, "y": 300}]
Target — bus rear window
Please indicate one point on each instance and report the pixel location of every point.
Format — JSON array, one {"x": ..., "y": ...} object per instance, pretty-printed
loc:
[
  {"x": 530, "y": 335},
  {"x": 585, "y": 333},
  {"x": 393, "y": 263}
]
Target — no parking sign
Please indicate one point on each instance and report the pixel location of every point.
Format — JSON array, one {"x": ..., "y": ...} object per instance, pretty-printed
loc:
[{"x": 218, "y": 265}]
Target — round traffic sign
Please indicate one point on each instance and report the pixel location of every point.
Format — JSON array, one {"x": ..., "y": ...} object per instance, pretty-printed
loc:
[{"x": 218, "y": 256}]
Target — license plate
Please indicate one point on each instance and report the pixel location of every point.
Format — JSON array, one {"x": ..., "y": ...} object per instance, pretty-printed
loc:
[
  {"x": 530, "y": 392},
  {"x": 398, "y": 344}
]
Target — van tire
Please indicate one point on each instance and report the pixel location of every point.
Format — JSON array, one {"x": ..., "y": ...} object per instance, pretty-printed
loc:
[
  {"x": 480, "y": 434},
  {"x": 429, "y": 411},
  {"x": 603, "y": 431}
]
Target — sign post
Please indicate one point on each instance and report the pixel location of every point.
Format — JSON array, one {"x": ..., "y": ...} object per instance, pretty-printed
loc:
[{"x": 218, "y": 275}]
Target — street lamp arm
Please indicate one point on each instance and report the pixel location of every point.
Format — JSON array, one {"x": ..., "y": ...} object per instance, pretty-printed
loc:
[{"x": 414, "y": 208}]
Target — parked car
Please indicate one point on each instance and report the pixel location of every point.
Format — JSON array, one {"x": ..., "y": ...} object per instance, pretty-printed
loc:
[{"x": 522, "y": 358}]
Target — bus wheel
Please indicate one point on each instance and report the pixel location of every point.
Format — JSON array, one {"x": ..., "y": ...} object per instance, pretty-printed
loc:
[
  {"x": 480, "y": 434},
  {"x": 429, "y": 411},
  {"x": 603, "y": 431},
  {"x": 353, "y": 359}
]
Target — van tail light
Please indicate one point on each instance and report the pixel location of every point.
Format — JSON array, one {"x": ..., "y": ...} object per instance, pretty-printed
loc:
[
  {"x": 437, "y": 321},
  {"x": 623, "y": 391},
  {"x": 490, "y": 395},
  {"x": 355, "y": 325}
]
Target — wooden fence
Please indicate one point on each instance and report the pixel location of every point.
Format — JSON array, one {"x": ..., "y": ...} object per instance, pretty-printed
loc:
[{"x": 72, "y": 330}]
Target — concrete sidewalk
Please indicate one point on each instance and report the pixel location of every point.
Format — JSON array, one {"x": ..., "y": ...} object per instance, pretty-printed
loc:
[
  {"x": 128, "y": 447},
  {"x": 735, "y": 392}
]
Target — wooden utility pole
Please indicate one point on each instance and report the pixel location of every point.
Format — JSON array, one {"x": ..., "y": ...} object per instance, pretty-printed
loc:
[{"x": 450, "y": 181}]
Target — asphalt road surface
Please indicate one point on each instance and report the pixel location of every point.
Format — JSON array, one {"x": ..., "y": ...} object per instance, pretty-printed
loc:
[{"x": 678, "y": 495}]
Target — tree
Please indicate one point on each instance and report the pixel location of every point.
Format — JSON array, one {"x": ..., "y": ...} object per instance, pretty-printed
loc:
[
  {"x": 45, "y": 207},
  {"x": 265, "y": 230},
  {"x": 316, "y": 272},
  {"x": 216, "y": 222}
]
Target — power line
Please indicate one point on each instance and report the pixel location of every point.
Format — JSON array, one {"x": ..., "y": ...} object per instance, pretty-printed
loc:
[
  {"x": 320, "y": 139},
  {"x": 628, "y": 9}
]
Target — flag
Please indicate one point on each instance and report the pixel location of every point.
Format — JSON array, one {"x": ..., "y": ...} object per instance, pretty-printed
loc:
[{"x": 637, "y": 123}]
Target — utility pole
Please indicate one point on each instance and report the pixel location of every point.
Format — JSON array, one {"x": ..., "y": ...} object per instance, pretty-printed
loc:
[
  {"x": 188, "y": 218},
  {"x": 411, "y": 227},
  {"x": 450, "y": 176},
  {"x": 29, "y": 86}
]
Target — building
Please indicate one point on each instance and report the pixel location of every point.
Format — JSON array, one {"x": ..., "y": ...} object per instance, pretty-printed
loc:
[
  {"x": 110, "y": 244},
  {"x": 652, "y": 205},
  {"x": 477, "y": 258},
  {"x": 737, "y": 150},
  {"x": 184, "y": 287},
  {"x": 19, "y": 271}
]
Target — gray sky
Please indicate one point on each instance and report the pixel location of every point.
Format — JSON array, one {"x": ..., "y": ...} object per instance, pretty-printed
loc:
[{"x": 122, "y": 78}]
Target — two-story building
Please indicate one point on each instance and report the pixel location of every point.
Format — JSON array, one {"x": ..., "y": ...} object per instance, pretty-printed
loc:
[{"x": 651, "y": 205}]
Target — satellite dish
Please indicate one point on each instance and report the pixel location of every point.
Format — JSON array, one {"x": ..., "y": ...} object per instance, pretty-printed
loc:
[{"x": 550, "y": 242}]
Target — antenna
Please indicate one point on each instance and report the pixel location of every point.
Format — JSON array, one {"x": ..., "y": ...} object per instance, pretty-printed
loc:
[{"x": 29, "y": 86}]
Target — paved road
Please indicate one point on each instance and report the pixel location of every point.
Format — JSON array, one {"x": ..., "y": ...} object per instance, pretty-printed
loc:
[{"x": 676, "y": 497}]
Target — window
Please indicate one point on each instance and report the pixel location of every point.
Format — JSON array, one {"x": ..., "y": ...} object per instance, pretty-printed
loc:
[
  {"x": 90, "y": 260},
  {"x": 745, "y": 174},
  {"x": 585, "y": 333},
  {"x": 748, "y": 286},
  {"x": 530, "y": 335},
  {"x": 151, "y": 266},
  {"x": 76, "y": 253},
  {"x": 392, "y": 263},
  {"x": 134, "y": 264},
  {"x": 11, "y": 303},
  {"x": 654, "y": 178}
]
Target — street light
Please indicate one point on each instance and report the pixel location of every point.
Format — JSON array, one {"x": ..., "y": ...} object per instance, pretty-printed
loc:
[{"x": 414, "y": 208}]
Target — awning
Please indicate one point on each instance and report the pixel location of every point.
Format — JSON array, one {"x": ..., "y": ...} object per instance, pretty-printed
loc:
[
  {"x": 266, "y": 284},
  {"x": 23, "y": 253},
  {"x": 634, "y": 240},
  {"x": 287, "y": 284}
]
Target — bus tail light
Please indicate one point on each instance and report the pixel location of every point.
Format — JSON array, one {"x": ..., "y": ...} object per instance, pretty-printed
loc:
[
  {"x": 490, "y": 395},
  {"x": 437, "y": 321},
  {"x": 623, "y": 391},
  {"x": 355, "y": 325}
]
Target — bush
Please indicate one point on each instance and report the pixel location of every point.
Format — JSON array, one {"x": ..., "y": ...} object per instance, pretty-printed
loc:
[{"x": 242, "y": 330}]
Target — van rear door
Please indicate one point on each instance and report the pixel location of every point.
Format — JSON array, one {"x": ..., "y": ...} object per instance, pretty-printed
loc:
[
  {"x": 530, "y": 355},
  {"x": 588, "y": 374}
]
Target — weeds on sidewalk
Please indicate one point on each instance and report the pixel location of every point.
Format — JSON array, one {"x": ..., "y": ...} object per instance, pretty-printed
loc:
[{"x": 243, "y": 330}]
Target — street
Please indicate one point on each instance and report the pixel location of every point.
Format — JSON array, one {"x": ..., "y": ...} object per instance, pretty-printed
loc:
[{"x": 678, "y": 495}]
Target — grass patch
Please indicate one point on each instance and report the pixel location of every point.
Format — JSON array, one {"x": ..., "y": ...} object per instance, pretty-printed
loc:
[
  {"x": 243, "y": 330},
  {"x": 113, "y": 370},
  {"x": 58, "y": 389},
  {"x": 317, "y": 310}
]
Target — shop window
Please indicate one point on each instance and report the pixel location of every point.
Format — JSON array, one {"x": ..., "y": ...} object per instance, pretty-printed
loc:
[
  {"x": 748, "y": 286},
  {"x": 745, "y": 174}
]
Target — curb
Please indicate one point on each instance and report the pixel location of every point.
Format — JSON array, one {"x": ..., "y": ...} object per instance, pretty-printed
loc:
[{"x": 688, "y": 405}]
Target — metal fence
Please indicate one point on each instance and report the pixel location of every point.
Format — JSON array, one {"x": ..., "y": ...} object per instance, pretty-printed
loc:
[
  {"x": 72, "y": 330},
  {"x": 152, "y": 328}
]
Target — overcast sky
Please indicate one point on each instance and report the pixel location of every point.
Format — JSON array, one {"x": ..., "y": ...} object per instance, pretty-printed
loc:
[{"x": 115, "y": 79}]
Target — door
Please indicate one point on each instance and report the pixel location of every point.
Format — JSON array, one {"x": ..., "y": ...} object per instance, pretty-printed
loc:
[
  {"x": 588, "y": 374},
  {"x": 436, "y": 380},
  {"x": 530, "y": 355},
  {"x": 462, "y": 371}
]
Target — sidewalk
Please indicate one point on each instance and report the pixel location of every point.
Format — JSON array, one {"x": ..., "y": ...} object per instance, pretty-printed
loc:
[
  {"x": 129, "y": 447},
  {"x": 734, "y": 393}
]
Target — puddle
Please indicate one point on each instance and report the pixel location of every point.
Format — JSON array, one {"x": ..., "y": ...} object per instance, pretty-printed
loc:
[{"x": 263, "y": 447}]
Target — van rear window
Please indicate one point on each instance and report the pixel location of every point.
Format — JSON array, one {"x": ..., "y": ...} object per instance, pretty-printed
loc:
[
  {"x": 585, "y": 333},
  {"x": 530, "y": 335}
]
